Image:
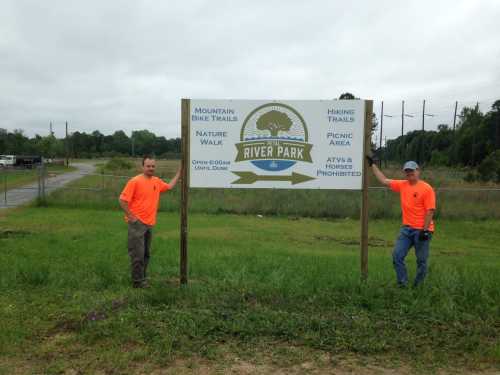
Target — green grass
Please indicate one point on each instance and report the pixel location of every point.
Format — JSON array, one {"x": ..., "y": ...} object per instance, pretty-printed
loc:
[
  {"x": 14, "y": 178},
  {"x": 277, "y": 288},
  {"x": 459, "y": 205},
  {"x": 456, "y": 205}
]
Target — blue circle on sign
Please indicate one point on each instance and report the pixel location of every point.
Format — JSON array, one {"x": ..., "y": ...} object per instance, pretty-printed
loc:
[{"x": 273, "y": 165}]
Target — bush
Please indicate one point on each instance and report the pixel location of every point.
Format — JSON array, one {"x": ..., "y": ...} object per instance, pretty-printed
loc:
[
  {"x": 470, "y": 176},
  {"x": 489, "y": 169},
  {"x": 114, "y": 154},
  {"x": 170, "y": 156},
  {"x": 118, "y": 164},
  {"x": 439, "y": 158}
]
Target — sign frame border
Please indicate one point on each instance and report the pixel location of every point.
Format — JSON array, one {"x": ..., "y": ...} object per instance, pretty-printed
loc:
[{"x": 185, "y": 165}]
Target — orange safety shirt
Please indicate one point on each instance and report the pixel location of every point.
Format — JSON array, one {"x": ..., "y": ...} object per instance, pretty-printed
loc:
[
  {"x": 143, "y": 195},
  {"x": 416, "y": 200}
]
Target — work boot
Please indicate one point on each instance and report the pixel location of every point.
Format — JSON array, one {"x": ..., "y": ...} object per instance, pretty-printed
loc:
[{"x": 141, "y": 285}]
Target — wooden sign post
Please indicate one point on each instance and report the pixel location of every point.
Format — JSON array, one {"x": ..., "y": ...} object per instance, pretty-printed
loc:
[
  {"x": 364, "y": 190},
  {"x": 185, "y": 121}
]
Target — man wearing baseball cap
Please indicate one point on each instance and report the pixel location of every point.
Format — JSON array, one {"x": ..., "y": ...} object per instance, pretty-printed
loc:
[{"x": 418, "y": 203}]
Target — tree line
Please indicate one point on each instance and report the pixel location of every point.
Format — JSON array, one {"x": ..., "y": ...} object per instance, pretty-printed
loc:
[
  {"x": 475, "y": 143},
  {"x": 89, "y": 145}
]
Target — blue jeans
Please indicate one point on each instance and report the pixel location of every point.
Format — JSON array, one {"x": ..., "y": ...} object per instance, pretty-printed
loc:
[{"x": 408, "y": 237}]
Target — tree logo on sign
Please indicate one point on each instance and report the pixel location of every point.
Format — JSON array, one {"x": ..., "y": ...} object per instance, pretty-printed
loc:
[{"x": 273, "y": 138}]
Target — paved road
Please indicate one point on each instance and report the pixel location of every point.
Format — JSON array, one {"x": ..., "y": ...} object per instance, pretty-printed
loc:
[{"x": 27, "y": 193}]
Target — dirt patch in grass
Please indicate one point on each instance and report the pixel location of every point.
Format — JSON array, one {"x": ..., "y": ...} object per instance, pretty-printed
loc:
[
  {"x": 117, "y": 304},
  {"x": 372, "y": 241},
  {"x": 450, "y": 253},
  {"x": 75, "y": 324},
  {"x": 13, "y": 233},
  {"x": 10, "y": 366},
  {"x": 316, "y": 364},
  {"x": 66, "y": 325},
  {"x": 342, "y": 366},
  {"x": 95, "y": 316},
  {"x": 228, "y": 359}
]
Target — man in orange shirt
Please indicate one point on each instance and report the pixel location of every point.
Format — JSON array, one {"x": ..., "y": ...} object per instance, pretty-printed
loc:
[
  {"x": 418, "y": 203},
  {"x": 139, "y": 200}
]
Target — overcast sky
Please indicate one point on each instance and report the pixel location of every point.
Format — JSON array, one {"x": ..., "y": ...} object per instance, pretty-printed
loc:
[{"x": 112, "y": 65}]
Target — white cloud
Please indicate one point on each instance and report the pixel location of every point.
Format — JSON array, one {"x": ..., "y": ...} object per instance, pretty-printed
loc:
[{"x": 126, "y": 64}]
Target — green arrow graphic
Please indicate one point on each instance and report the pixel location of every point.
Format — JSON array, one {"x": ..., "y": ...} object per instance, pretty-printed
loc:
[{"x": 250, "y": 177}]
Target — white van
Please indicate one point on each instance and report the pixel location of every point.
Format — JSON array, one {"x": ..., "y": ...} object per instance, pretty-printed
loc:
[{"x": 7, "y": 160}]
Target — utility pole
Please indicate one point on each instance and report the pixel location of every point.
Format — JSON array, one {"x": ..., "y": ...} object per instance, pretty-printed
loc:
[
  {"x": 402, "y": 117},
  {"x": 455, "y": 116},
  {"x": 381, "y": 126},
  {"x": 382, "y": 115},
  {"x": 67, "y": 145},
  {"x": 51, "y": 133},
  {"x": 385, "y": 144},
  {"x": 497, "y": 134},
  {"x": 423, "y": 116},
  {"x": 381, "y": 122}
]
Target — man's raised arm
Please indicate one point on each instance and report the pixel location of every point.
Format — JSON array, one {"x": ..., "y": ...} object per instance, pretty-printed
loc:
[
  {"x": 378, "y": 173},
  {"x": 174, "y": 180}
]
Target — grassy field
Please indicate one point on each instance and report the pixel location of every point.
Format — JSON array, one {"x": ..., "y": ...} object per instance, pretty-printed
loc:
[
  {"x": 13, "y": 178},
  {"x": 457, "y": 204},
  {"x": 266, "y": 294}
]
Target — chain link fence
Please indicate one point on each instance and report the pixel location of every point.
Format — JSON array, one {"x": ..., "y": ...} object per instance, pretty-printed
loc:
[
  {"x": 58, "y": 187},
  {"x": 101, "y": 191},
  {"x": 20, "y": 186}
]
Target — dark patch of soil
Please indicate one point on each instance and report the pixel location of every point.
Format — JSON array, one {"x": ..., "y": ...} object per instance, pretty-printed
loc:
[{"x": 13, "y": 233}]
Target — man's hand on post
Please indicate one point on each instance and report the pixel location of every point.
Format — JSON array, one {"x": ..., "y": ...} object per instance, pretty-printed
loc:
[
  {"x": 174, "y": 180},
  {"x": 376, "y": 171}
]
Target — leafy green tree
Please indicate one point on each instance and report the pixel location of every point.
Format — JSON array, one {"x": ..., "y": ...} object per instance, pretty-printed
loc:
[
  {"x": 121, "y": 142},
  {"x": 489, "y": 169},
  {"x": 274, "y": 121},
  {"x": 82, "y": 145},
  {"x": 476, "y": 137},
  {"x": 97, "y": 142},
  {"x": 3, "y": 139},
  {"x": 374, "y": 126},
  {"x": 347, "y": 95},
  {"x": 144, "y": 141},
  {"x": 49, "y": 146}
]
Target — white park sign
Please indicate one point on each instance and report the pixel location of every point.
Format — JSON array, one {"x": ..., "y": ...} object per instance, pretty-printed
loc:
[
  {"x": 302, "y": 144},
  {"x": 312, "y": 144}
]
